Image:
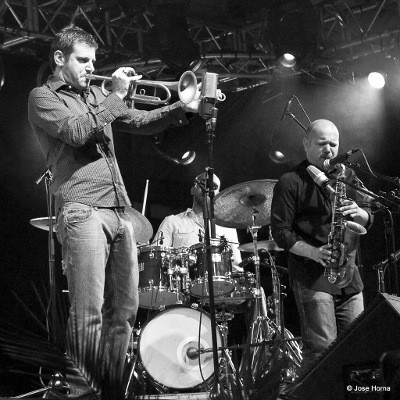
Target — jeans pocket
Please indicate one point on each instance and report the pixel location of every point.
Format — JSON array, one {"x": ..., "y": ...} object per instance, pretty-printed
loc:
[{"x": 74, "y": 213}]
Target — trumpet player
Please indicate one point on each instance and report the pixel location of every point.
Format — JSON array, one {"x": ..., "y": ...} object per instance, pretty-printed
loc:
[
  {"x": 72, "y": 121},
  {"x": 301, "y": 216}
]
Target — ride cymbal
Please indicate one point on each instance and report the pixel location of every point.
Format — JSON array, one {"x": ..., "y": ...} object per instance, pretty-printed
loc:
[
  {"x": 43, "y": 223},
  {"x": 234, "y": 206}
]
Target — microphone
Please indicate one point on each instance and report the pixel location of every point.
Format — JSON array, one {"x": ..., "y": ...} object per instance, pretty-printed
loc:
[
  {"x": 192, "y": 353},
  {"x": 287, "y": 108},
  {"x": 208, "y": 94},
  {"x": 338, "y": 159},
  {"x": 320, "y": 178}
]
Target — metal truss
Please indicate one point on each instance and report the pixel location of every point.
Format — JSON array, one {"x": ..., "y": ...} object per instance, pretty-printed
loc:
[{"x": 239, "y": 47}]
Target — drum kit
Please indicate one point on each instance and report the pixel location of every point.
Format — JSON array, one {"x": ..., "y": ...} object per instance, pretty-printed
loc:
[{"x": 171, "y": 352}]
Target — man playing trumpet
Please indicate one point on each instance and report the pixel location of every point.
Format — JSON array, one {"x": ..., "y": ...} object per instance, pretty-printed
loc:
[{"x": 72, "y": 121}]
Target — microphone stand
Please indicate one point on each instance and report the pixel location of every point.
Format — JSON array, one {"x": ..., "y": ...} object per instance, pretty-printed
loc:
[
  {"x": 217, "y": 391},
  {"x": 52, "y": 312},
  {"x": 57, "y": 383},
  {"x": 388, "y": 221},
  {"x": 291, "y": 115}
]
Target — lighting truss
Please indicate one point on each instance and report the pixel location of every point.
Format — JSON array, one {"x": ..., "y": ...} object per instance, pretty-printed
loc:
[{"x": 239, "y": 49}]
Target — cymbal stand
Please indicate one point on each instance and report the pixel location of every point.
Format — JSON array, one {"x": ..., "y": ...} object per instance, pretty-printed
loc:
[
  {"x": 288, "y": 344},
  {"x": 227, "y": 368},
  {"x": 260, "y": 329}
]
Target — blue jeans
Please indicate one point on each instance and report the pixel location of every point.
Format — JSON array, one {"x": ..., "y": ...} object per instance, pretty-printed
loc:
[
  {"x": 322, "y": 318},
  {"x": 100, "y": 261}
]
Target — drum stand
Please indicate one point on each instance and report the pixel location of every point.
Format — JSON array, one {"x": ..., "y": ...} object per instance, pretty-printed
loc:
[
  {"x": 289, "y": 346},
  {"x": 267, "y": 337},
  {"x": 260, "y": 328},
  {"x": 227, "y": 370}
]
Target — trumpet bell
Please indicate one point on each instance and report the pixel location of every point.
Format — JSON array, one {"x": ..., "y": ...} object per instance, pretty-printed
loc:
[{"x": 187, "y": 87}]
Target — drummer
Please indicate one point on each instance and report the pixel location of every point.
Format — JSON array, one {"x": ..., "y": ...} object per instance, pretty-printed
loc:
[{"x": 187, "y": 228}]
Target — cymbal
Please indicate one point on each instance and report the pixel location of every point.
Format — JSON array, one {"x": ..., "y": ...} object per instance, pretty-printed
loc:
[
  {"x": 269, "y": 245},
  {"x": 142, "y": 226},
  {"x": 233, "y": 207},
  {"x": 43, "y": 223}
]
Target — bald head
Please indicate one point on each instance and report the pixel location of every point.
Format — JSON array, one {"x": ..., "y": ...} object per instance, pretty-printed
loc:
[
  {"x": 321, "y": 142},
  {"x": 320, "y": 127}
]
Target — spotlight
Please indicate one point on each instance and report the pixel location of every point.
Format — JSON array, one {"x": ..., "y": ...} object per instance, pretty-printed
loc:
[
  {"x": 188, "y": 157},
  {"x": 287, "y": 60},
  {"x": 277, "y": 157},
  {"x": 376, "y": 80},
  {"x": 185, "y": 159}
]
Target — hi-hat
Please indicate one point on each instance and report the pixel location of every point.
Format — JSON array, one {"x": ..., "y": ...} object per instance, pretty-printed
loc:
[
  {"x": 141, "y": 225},
  {"x": 43, "y": 223},
  {"x": 269, "y": 245},
  {"x": 234, "y": 206}
]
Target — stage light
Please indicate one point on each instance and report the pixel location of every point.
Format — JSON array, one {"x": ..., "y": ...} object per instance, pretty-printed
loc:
[
  {"x": 376, "y": 80},
  {"x": 185, "y": 159},
  {"x": 277, "y": 157},
  {"x": 188, "y": 157},
  {"x": 287, "y": 60},
  {"x": 2, "y": 72}
]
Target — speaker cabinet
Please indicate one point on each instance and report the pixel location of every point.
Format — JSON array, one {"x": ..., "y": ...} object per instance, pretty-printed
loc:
[{"x": 349, "y": 369}]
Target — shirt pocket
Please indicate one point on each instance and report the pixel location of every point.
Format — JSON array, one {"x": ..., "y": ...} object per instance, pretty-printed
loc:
[{"x": 187, "y": 236}]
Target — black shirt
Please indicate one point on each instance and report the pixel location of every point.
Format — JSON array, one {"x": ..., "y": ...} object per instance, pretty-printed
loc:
[{"x": 301, "y": 210}]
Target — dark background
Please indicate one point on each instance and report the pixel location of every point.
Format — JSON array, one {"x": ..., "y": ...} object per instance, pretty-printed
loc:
[{"x": 249, "y": 126}]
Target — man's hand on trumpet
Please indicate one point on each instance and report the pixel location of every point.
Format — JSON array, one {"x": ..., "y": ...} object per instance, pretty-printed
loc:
[
  {"x": 121, "y": 80},
  {"x": 194, "y": 105}
]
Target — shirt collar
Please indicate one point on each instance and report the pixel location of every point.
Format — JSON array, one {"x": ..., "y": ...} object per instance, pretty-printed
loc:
[
  {"x": 55, "y": 83},
  {"x": 189, "y": 212}
]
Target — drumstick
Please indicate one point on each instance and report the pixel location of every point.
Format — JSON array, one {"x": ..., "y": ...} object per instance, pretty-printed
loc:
[{"x": 145, "y": 196}]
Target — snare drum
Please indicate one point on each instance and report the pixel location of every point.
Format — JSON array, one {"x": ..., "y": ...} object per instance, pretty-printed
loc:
[
  {"x": 245, "y": 289},
  {"x": 221, "y": 255},
  {"x": 162, "y": 275},
  {"x": 167, "y": 348}
]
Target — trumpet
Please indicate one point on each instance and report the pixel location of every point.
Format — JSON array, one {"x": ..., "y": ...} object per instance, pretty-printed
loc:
[{"x": 186, "y": 88}]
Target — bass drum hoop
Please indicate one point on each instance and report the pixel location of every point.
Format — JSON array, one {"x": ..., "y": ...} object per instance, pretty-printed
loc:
[{"x": 187, "y": 370}]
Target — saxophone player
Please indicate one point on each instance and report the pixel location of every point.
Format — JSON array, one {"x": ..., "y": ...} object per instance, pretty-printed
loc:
[{"x": 301, "y": 216}]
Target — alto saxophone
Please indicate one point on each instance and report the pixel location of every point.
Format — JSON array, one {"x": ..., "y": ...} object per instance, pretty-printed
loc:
[{"x": 343, "y": 238}]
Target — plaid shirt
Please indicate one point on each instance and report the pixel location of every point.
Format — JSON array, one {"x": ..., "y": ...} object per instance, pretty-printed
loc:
[{"x": 75, "y": 134}]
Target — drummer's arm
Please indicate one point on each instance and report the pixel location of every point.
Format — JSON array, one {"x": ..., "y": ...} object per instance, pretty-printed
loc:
[
  {"x": 236, "y": 255},
  {"x": 236, "y": 258}
]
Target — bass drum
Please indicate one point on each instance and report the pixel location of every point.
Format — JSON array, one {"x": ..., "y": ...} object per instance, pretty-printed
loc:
[{"x": 167, "y": 348}]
